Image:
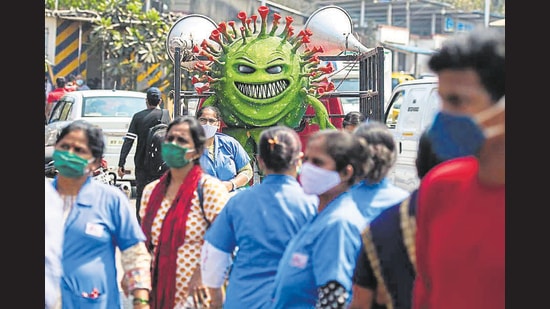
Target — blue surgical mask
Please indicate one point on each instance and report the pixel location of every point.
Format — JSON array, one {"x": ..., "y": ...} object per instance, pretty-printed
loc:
[{"x": 459, "y": 135}]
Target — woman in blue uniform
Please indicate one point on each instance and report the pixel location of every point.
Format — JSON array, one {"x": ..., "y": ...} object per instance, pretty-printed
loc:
[
  {"x": 224, "y": 157},
  {"x": 98, "y": 219},
  {"x": 260, "y": 221},
  {"x": 317, "y": 266}
]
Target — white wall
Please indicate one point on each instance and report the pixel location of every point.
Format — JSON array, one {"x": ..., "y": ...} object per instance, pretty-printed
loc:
[{"x": 49, "y": 38}]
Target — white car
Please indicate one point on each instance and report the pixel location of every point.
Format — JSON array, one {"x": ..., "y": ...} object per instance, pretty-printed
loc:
[{"x": 111, "y": 110}]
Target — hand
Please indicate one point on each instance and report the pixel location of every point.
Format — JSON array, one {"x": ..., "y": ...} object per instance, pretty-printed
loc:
[
  {"x": 199, "y": 293},
  {"x": 216, "y": 298},
  {"x": 120, "y": 171},
  {"x": 228, "y": 185},
  {"x": 124, "y": 286}
]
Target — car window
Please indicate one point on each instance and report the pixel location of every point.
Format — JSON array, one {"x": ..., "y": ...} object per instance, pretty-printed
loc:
[
  {"x": 395, "y": 106},
  {"x": 62, "y": 109},
  {"x": 112, "y": 106}
]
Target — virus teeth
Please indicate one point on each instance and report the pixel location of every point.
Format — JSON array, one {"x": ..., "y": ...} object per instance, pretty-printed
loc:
[{"x": 262, "y": 91}]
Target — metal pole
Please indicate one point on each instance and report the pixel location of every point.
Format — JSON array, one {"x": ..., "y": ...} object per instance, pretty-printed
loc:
[
  {"x": 177, "y": 81},
  {"x": 487, "y": 12}
]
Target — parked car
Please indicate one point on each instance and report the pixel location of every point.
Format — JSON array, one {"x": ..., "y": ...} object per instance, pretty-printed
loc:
[{"x": 111, "y": 110}]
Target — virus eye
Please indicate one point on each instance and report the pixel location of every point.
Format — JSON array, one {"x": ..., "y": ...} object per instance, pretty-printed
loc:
[
  {"x": 274, "y": 69},
  {"x": 245, "y": 69}
]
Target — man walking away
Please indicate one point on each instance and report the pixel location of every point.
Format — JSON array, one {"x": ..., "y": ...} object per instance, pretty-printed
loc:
[
  {"x": 139, "y": 129},
  {"x": 55, "y": 95}
]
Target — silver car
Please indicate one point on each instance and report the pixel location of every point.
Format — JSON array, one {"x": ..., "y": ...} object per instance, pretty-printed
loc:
[{"x": 111, "y": 110}]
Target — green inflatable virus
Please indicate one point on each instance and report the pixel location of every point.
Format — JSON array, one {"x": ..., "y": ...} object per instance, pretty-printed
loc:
[{"x": 261, "y": 79}]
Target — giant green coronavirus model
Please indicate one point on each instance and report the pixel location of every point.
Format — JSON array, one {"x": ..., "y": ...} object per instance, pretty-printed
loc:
[{"x": 261, "y": 79}]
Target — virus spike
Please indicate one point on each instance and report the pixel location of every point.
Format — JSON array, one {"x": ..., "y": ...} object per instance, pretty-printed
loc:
[
  {"x": 207, "y": 47},
  {"x": 288, "y": 27},
  {"x": 290, "y": 33},
  {"x": 243, "y": 34},
  {"x": 242, "y": 17},
  {"x": 222, "y": 27},
  {"x": 263, "y": 10},
  {"x": 330, "y": 86},
  {"x": 327, "y": 69},
  {"x": 320, "y": 91},
  {"x": 254, "y": 18},
  {"x": 316, "y": 49},
  {"x": 201, "y": 67},
  {"x": 215, "y": 36},
  {"x": 209, "y": 56},
  {"x": 248, "y": 27},
  {"x": 231, "y": 23},
  {"x": 305, "y": 39},
  {"x": 202, "y": 88},
  {"x": 297, "y": 37},
  {"x": 276, "y": 17}
]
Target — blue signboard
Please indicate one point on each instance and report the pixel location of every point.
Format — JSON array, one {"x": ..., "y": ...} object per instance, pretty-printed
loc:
[{"x": 449, "y": 24}]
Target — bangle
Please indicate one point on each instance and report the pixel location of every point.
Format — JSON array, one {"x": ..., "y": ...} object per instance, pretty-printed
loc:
[
  {"x": 140, "y": 301},
  {"x": 234, "y": 185}
]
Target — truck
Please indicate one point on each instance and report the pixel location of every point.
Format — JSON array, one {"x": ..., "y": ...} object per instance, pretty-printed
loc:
[{"x": 410, "y": 110}]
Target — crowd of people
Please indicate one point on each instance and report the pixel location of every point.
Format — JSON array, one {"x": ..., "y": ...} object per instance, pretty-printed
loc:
[{"x": 325, "y": 228}]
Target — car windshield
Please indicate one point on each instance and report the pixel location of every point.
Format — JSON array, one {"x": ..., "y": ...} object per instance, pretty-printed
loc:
[{"x": 112, "y": 106}]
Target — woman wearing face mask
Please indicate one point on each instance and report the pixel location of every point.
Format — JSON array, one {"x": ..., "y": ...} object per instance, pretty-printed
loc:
[
  {"x": 223, "y": 157},
  {"x": 175, "y": 219},
  {"x": 97, "y": 219},
  {"x": 261, "y": 232},
  {"x": 317, "y": 266}
]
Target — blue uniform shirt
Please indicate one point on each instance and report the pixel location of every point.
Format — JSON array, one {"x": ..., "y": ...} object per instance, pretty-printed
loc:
[
  {"x": 325, "y": 249},
  {"x": 260, "y": 221},
  {"x": 100, "y": 220},
  {"x": 230, "y": 157},
  {"x": 372, "y": 199}
]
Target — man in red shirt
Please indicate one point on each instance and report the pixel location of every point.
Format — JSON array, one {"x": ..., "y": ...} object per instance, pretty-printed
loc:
[
  {"x": 461, "y": 211},
  {"x": 55, "y": 94}
]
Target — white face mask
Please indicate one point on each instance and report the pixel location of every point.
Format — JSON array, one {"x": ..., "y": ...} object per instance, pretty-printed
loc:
[
  {"x": 487, "y": 114},
  {"x": 317, "y": 180},
  {"x": 209, "y": 130}
]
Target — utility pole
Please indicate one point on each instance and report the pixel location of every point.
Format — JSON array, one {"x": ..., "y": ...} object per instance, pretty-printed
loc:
[{"x": 487, "y": 12}]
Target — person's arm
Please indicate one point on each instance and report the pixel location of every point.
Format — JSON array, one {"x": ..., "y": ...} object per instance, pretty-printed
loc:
[
  {"x": 214, "y": 266},
  {"x": 364, "y": 283},
  {"x": 136, "y": 263},
  {"x": 241, "y": 179},
  {"x": 332, "y": 295},
  {"x": 129, "y": 139}
]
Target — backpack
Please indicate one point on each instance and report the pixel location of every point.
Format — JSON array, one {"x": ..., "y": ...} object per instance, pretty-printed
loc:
[{"x": 154, "y": 165}]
